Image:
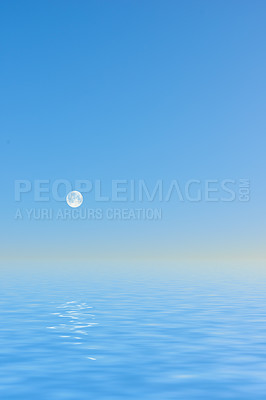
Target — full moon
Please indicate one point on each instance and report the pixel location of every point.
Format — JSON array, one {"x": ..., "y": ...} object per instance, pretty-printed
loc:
[{"x": 74, "y": 199}]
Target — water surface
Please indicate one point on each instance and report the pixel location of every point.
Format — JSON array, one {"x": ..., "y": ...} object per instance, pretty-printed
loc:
[{"x": 150, "y": 332}]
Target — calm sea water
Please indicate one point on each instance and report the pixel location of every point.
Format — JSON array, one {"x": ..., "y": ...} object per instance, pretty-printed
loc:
[{"x": 132, "y": 332}]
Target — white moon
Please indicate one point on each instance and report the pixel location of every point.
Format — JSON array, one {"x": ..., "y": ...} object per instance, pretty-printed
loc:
[{"x": 74, "y": 199}]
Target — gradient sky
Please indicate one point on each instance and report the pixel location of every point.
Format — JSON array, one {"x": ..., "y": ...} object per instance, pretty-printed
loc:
[{"x": 134, "y": 90}]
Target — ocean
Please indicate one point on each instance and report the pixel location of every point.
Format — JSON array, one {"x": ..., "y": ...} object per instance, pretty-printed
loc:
[{"x": 125, "y": 330}]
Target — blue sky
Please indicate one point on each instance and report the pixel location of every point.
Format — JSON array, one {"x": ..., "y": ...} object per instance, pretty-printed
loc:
[{"x": 135, "y": 90}]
